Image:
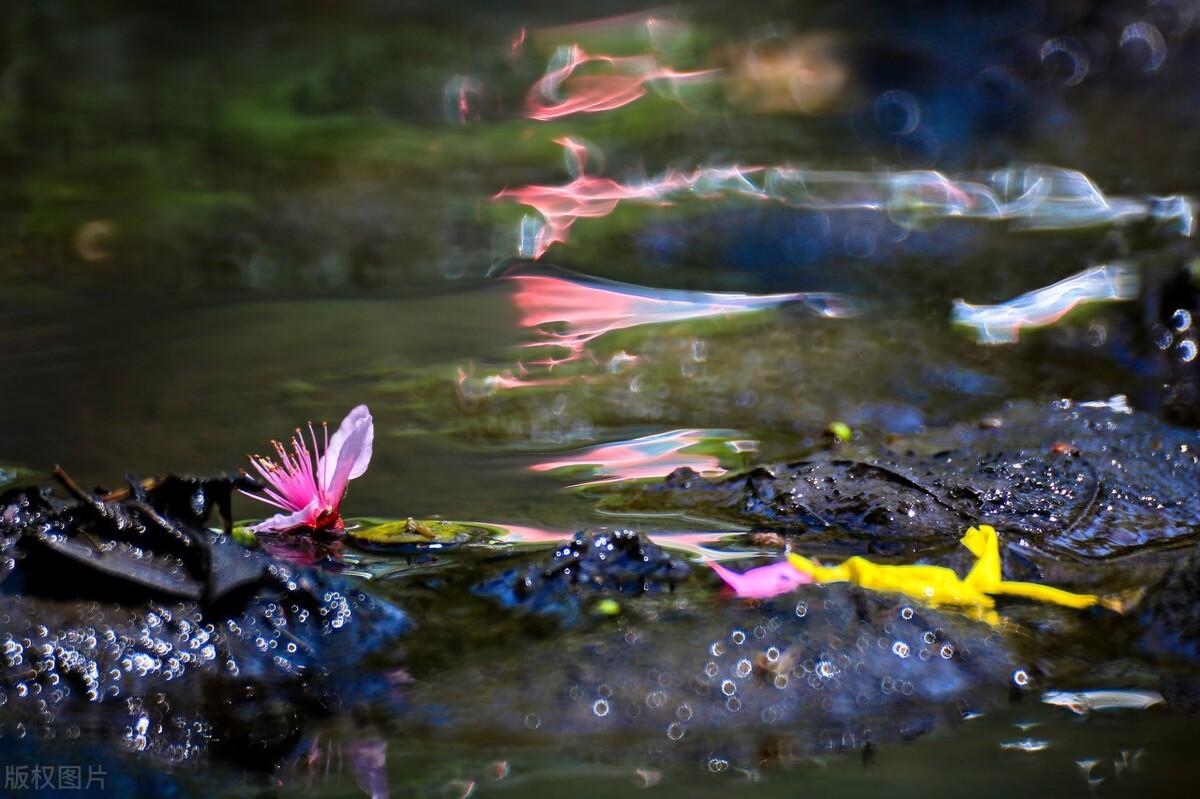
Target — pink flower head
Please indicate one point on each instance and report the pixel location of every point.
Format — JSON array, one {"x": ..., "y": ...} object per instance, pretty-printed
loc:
[
  {"x": 308, "y": 486},
  {"x": 763, "y": 582}
]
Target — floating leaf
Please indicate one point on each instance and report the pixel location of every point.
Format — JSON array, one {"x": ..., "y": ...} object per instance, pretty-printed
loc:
[
  {"x": 419, "y": 533},
  {"x": 244, "y": 536}
]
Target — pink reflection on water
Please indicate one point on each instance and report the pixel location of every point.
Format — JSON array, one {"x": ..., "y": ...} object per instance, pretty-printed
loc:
[
  {"x": 624, "y": 82},
  {"x": 517, "y": 44},
  {"x": 470, "y": 387},
  {"x": 368, "y": 758},
  {"x": 585, "y": 197},
  {"x": 694, "y": 544},
  {"x": 576, "y": 154},
  {"x": 648, "y": 456},
  {"x": 586, "y": 310},
  {"x": 593, "y": 197},
  {"x": 324, "y": 762}
]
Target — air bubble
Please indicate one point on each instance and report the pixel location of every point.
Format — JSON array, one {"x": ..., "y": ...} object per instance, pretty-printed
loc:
[
  {"x": 897, "y": 112},
  {"x": 1149, "y": 38},
  {"x": 1071, "y": 50}
]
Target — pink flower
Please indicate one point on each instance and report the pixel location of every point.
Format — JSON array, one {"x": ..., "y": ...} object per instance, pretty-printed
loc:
[
  {"x": 308, "y": 485},
  {"x": 763, "y": 582}
]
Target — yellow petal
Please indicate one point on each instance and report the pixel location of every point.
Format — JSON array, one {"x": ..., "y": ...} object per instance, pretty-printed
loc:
[
  {"x": 1045, "y": 593},
  {"x": 934, "y": 585},
  {"x": 984, "y": 545},
  {"x": 938, "y": 585}
]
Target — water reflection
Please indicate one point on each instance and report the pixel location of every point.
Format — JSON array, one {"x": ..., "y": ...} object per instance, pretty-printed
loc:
[
  {"x": 648, "y": 456},
  {"x": 571, "y": 312},
  {"x": 698, "y": 545},
  {"x": 1032, "y": 197},
  {"x": 625, "y": 82},
  {"x": 1002, "y": 323}
]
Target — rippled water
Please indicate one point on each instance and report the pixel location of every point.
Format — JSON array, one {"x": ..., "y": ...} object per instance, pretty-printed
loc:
[{"x": 543, "y": 273}]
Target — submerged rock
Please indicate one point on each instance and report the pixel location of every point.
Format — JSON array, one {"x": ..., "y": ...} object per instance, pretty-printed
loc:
[
  {"x": 1089, "y": 481},
  {"x": 683, "y": 676},
  {"x": 1169, "y": 632},
  {"x": 1169, "y": 617},
  {"x": 620, "y": 562},
  {"x": 124, "y": 619}
]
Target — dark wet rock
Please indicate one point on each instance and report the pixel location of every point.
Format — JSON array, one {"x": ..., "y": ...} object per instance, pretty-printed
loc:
[
  {"x": 124, "y": 619},
  {"x": 1170, "y": 615},
  {"x": 590, "y": 564},
  {"x": 1168, "y": 623},
  {"x": 682, "y": 678},
  {"x": 1068, "y": 479}
]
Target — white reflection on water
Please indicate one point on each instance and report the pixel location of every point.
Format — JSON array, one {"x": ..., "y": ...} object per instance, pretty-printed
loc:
[
  {"x": 1002, "y": 323},
  {"x": 1083, "y": 702},
  {"x": 1032, "y": 197}
]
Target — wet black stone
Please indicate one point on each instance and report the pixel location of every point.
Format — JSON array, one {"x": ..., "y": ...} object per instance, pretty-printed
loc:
[
  {"x": 686, "y": 678},
  {"x": 620, "y": 562},
  {"x": 1073, "y": 480},
  {"x": 125, "y": 618},
  {"x": 1168, "y": 631},
  {"x": 1170, "y": 615}
]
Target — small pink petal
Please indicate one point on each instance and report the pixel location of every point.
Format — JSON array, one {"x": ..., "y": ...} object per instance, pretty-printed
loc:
[
  {"x": 349, "y": 452},
  {"x": 282, "y": 522},
  {"x": 763, "y": 582}
]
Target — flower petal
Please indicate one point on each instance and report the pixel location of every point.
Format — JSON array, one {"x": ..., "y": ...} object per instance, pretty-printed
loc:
[
  {"x": 349, "y": 453},
  {"x": 282, "y": 522},
  {"x": 763, "y": 582}
]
